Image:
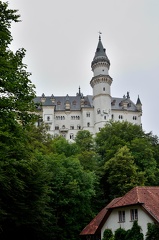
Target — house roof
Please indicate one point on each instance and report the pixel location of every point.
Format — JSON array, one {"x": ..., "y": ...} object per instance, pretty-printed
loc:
[{"x": 148, "y": 197}]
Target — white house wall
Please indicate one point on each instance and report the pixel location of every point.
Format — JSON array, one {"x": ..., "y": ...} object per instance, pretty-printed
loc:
[{"x": 113, "y": 220}]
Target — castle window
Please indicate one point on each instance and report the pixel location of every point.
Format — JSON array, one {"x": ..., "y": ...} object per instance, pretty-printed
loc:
[
  {"x": 63, "y": 126},
  {"x": 133, "y": 214},
  {"x": 104, "y": 89},
  {"x": 112, "y": 116},
  {"x": 134, "y": 117},
  {"x": 121, "y": 216},
  {"x": 48, "y": 118},
  {"x": 120, "y": 117},
  {"x": 98, "y": 111},
  {"x": 58, "y": 103},
  {"x": 78, "y": 127},
  {"x": 99, "y": 128},
  {"x": 74, "y": 102},
  {"x": 87, "y": 114},
  {"x": 57, "y": 127},
  {"x": 71, "y": 127},
  {"x": 71, "y": 136},
  {"x": 105, "y": 117},
  {"x": 88, "y": 124},
  {"x": 63, "y": 135}
]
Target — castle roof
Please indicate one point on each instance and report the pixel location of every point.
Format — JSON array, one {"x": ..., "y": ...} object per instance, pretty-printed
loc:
[
  {"x": 87, "y": 102},
  {"x": 100, "y": 54}
]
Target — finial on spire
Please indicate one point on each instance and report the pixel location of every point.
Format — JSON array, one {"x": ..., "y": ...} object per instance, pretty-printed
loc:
[
  {"x": 100, "y": 35},
  {"x": 79, "y": 90}
]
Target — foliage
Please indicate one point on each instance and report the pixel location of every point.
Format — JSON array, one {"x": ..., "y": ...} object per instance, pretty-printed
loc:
[
  {"x": 152, "y": 232},
  {"x": 134, "y": 233},
  {"x": 120, "y": 234},
  {"x": 71, "y": 192},
  {"x": 121, "y": 173},
  {"x": 108, "y": 235}
]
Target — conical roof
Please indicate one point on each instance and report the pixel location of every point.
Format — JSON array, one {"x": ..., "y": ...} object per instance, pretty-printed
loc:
[{"x": 100, "y": 54}]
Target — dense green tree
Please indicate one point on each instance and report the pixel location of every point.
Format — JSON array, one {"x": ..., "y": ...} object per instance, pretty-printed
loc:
[
  {"x": 24, "y": 181},
  {"x": 108, "y": 235},
  {"x": 120, "y": 234},
  {"x": 152, "y": 231},
  {"x": 121, "y": 173},
  {"x": 84, "y": 140},
  {"x": 116, "y": 135},
  {"x": 72, "y": 190},
  {"x": 134, "y": 233}
]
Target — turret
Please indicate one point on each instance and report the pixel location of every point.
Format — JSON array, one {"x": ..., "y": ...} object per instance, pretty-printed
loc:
[{"x": 101, "y": 82}]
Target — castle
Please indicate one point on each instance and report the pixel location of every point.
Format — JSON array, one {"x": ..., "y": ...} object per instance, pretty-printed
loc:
[{"x": 66, "y": 115}]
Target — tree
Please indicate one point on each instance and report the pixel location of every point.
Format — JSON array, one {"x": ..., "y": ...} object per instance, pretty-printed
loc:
[
  {"x": 108, "y": 234},
  {"x": 16, "y": 90},
  {"x": 114, "y": 136},
  {"x": 120, "y": 234},
  {"x": 24, "y": 181},
  {"x": 152, "y": 231},
  {"x": 72, "y": 190},
  {"x": 121, "y": 173},
  {"x": 134, "y": 233}
]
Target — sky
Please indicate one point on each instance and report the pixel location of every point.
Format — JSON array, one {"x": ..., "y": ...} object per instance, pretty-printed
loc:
[{"x": 60, "y": 38}]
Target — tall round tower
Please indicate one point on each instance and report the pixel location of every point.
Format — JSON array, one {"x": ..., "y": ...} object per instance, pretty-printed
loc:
[{"x": 101, "y": 82}]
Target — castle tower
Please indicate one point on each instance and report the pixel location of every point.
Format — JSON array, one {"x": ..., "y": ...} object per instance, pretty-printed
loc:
[{"x": 101, "y": 82}]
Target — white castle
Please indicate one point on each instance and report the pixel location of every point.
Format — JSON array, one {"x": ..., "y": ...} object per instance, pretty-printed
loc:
[{"x": 66, "y": 115}]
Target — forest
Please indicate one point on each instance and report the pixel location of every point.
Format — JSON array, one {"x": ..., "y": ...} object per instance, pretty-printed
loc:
[{"x": 51, "y": 188}]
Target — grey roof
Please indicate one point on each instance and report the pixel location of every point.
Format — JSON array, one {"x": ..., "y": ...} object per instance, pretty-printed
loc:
[
  {"x": 100, "y": 54},
  {"x": 75, "y": 102}
]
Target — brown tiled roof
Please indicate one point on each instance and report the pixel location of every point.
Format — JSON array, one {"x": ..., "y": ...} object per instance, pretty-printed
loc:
[
  {"x": 148, "y": 197},
  {"x": 94, "y": 224}
]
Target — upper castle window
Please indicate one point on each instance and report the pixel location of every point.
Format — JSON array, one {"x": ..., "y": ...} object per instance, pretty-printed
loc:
[
  {"x": 58, "y": 103},
  {"x": 87, "y": 114}
]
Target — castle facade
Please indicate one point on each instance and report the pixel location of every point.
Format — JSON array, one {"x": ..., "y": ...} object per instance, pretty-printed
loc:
[{"x": 66, "y": 115}]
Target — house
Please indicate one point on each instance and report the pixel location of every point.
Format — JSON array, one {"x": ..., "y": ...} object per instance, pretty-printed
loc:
[
  {"x": 66, "y": 115},
  {"x": 140, "y": 203}
]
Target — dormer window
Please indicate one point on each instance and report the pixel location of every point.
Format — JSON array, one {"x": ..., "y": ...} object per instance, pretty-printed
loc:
[{"x": 58, "y": 103}]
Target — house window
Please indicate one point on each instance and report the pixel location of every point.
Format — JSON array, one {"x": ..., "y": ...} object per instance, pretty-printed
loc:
[
  {"x": 133, "y": 214},
  {"x": 121, "y": 216},
  {"x": 87, "y": 114}
]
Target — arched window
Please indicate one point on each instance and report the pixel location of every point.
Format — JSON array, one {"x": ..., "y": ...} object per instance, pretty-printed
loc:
[
  {"x": 88, "y": 124},
  {"x": 48, "y": 118},
  {"x": 88, "y": 114},
  {"x": 98, "y": 111},
  {"x": 71, "y": 136}
]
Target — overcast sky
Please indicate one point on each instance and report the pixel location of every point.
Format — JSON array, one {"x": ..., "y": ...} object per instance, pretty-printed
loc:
[{"x": 61, "y": 37}]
